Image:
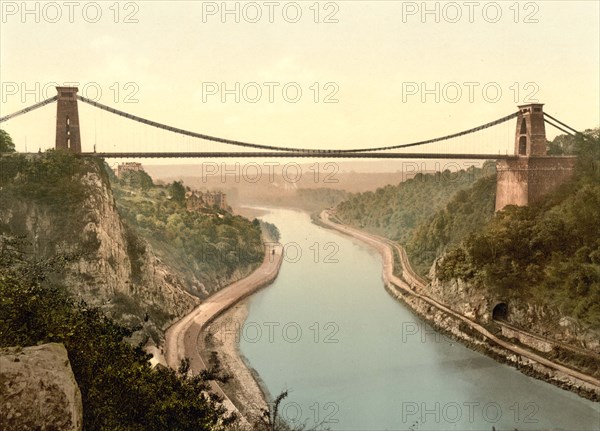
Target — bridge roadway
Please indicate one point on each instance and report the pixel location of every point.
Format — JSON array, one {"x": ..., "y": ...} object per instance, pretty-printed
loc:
[{"x": 285, "y": 154}]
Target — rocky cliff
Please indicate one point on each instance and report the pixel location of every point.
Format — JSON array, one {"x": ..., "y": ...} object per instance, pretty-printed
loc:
[
  {"x": 73, "y": 211},
  {"x": 38, "y": 390},
  {"x": 478, "y": 303},
  {"x": 539, "y": 327}
]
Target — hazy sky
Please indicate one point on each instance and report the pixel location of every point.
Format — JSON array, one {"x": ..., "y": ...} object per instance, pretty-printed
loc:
[{"x": 372, "y": 63}]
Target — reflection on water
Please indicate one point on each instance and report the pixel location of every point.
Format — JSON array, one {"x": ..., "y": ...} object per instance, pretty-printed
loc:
[{"x": 355, "y": 359}]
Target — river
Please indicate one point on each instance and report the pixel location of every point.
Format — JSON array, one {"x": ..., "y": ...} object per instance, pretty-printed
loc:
[{"x": 353, "y": 358}]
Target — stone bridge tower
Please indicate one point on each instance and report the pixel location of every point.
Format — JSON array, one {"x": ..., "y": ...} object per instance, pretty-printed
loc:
[
  {"x": 532, "y": 173},
  {"x": 67, "y": 120}
]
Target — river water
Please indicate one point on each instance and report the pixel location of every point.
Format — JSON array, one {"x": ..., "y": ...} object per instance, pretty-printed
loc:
[{"x": 353, "y": 358}]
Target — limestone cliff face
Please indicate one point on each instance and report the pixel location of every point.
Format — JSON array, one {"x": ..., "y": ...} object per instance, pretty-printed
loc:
[
  {"x": 38, "y": 390},
  {"x": 116, "y": 270},
  {"x": 477, "y": 302}
]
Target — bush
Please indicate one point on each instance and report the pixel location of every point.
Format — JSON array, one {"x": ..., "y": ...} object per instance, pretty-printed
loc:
[{"x": 119, "y": 389}]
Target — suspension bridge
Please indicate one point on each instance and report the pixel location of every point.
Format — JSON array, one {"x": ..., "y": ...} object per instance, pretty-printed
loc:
[
  {"x": 523, "y": 176},
  {"x": 68, "y": 137}
]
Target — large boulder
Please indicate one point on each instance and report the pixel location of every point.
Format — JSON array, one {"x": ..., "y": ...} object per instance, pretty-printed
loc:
[{"x": 38, "y": 390}]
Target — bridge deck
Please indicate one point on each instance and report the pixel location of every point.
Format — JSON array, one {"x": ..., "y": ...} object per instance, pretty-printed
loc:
[{"x": 315, "y": 154}]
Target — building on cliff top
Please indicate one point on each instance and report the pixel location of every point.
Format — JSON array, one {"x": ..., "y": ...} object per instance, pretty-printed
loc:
[
  {"x": 196, "y": 200},
  {"x": 129, "y": 167}
]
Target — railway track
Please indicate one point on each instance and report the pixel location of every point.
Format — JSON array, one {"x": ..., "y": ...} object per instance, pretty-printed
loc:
[{"x": 414, "y": 283}]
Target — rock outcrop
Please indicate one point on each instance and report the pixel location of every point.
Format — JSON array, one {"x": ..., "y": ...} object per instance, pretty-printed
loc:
[
  {"x": 117, "y": 270},
  {"x": 38, "y": 390},
  {"x": 478, "y": 303}
]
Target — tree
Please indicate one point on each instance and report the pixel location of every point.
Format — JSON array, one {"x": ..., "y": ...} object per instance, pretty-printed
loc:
[
  {"x": 6, "y": 143},
  {"x": 271, "y": 419},
  {"x": 137, "y": 179},
  {"x": 177, "y": 191}
]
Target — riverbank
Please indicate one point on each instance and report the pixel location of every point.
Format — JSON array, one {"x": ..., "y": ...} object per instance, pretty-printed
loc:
[
  {"x": 183, "y": 339},
  {"x": 462, "y": 328},
  {"x": 220, "y": 345}
]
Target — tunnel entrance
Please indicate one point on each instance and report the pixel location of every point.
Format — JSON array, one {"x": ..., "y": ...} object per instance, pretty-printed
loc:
[{"x": 500, "y": 311}]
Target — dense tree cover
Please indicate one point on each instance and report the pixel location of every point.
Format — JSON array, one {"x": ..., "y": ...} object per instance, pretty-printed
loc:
[
  {"x": 395, "y": 211},
  {"x": 119, "y": 390},
  {"x": 548, "y": 252},
  {"x": 270, "y": 230},
  {"x": 47, "y": 181},
  {"x": 137, "y": 179},
  {"x": 6, "y": 143},
  {"x": 212, "y": 244},
  {"x": 177, "y": 191},
  {"x": 562, "y": 145},
  {"x": 467, "y": 212}
]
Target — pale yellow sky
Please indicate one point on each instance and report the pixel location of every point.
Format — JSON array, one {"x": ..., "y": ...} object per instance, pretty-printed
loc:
[{"x": 371, "y": 58}]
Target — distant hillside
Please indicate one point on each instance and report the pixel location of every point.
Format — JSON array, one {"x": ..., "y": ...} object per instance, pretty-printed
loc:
[
  {"x": 394, "y": 211},
  {"x": 311, "y": 200},
  {"x": 467, "y": 212},
  {"x": 283, "y": 190}
]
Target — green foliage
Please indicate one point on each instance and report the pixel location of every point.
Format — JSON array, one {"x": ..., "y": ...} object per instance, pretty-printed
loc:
[
  {"x": 395, "y": 211},
  {"x": 6, "y": 142},
  {"x": 271, "y": 420},
  {"x": 548, "y": 252},
  {"x": 467, "y": 211},
  {"x": 270, "y": 230},
  {"x": 53, "y": 182},
  {"x": 177, "y": 191},
  {"x": 119, "y": 390},
  {"x": 561, "y": 145},
  {"x": 137, "y": 180},
  {"x": 566, "y": 145},
  {"x": 46, "y": 178},
  {"x": 211, "y": 245}
]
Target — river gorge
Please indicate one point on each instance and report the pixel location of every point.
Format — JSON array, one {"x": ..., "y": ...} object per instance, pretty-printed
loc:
[{"x": 353, "y": 358}]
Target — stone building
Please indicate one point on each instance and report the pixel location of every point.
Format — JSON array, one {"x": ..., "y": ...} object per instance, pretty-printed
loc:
[
  {"x": 198, "y": 201},
  {"x": 129, "y": 167},
  {"x": 532, "y": 174},
  {"x": 217, "y": 199}
]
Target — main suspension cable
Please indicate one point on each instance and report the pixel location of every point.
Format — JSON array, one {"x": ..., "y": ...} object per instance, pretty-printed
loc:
[
  {"x": 28, "y": 109},
  {"x": 278, "y": 148}
]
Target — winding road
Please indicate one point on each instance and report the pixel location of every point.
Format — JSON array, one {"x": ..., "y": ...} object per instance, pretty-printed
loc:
[{"x": 181, "y": 338}]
